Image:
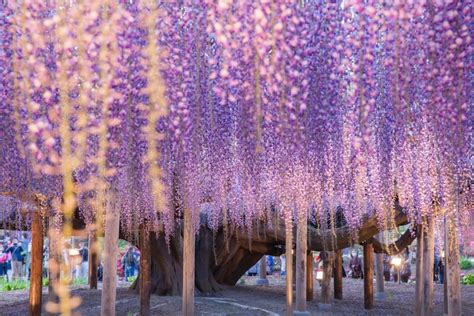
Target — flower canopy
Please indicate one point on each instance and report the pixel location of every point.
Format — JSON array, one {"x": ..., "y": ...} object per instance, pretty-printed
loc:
[{"x": 249, "y": 107}]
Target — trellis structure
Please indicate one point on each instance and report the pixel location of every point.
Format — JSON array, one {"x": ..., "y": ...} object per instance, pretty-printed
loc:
[{"x": 225, "y": 115}]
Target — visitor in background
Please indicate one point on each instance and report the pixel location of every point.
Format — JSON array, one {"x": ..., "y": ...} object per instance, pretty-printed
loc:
[
  {"x": 3, "y": 263},
  {"x": 137, "y": 254},
  {"x": 441, "y": 270},
  {"x": 270, "y": 264},
  {"x": 283, "y": 265},
  {"x": 129, "y": 262},
  {"x": 405, "y": 271},
  {"x": 25, "y": 244},
  {"x": 100, "y": 272},
  {"x": 83, "y": 267},
  {"x": 16, "y": 252},
  {"x": 342, "y": 269},
  {"x": 45, "y": 261},
  {"x": 436, "y": 267},
  {"x": 355, "y": 266},
  {"x": 386, "y": 267}
]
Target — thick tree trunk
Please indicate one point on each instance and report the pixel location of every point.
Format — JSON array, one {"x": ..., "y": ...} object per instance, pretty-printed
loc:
[{"x": 221, "y": 259}]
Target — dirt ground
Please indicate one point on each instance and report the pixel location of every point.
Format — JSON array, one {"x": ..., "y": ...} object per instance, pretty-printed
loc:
[{"x": 248, "y": 299}]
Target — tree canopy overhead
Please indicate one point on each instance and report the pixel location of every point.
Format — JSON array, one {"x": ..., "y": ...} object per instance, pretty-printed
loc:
[{"x": 245, "y": 107}]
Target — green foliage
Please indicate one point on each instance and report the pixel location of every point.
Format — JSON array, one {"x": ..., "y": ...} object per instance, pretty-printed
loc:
[
  {"x": 79, "y": 281},
  {"x": 13, "y": 285},
  {"x": 465, "y": 263},
  {"x": 45, "y": 282},
  {"x": 468, "y": 279},
  {"x": 131, "y": 278},
  {"x": 122, "y": 244}
]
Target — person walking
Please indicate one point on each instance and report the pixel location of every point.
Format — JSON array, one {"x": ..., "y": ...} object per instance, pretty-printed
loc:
[
  {"x": 441, "y": 270},
  {"x": 129, "y": 262},
  {"x": 16, "y": 251},
  {"x": 83, "y": 267},
  {"x": 283, "y": 265},
  {"x": 3, "y": 263},
  {"x": 25, "y": 244}
]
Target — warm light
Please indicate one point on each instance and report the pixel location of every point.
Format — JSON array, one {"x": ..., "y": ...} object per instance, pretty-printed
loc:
[
  {"x": 442, "y": 253},
  {"x": 397, "y": 261},
  {"x": 319, "y": 275}
]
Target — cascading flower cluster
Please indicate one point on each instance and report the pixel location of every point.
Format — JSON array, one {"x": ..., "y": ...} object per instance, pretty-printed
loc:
[{"x": 247, "y": 107}]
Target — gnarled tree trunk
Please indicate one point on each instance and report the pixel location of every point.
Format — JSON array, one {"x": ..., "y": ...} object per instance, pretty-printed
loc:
[{"x": 222, "y": 259}]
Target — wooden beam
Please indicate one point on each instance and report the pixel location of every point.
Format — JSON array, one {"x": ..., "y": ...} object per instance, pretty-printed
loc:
[
  {"x": 325, "y": 239},
  {"x": 188, "y": 265},
  {"x": 309, "y": 277},
  {"x": 36, "y": 278},
  {"x": 428, "y": 262},
  {"x": 338, "y": 275},
  {"x": 109, "y": 283},
  {"x": 396, "y": 247},
  {"x": 452, "y": 269},
  {"x": 368, "y": 276},
  {"x": 301, "y": 254},
  {"x": 289, "y": 266},
  {"x": 145, "y": 271},
  {"x": 342, "y": 237},
  {"x": 419, "y": 271},
  {"x": 93, "y": 260}
]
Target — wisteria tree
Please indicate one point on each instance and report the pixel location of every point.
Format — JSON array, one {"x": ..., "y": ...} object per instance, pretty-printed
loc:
[{"x": 353, "y": 116}]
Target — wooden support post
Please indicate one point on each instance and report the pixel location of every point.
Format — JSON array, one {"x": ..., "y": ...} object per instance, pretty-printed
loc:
[
  {"x": 301, "y": 253},
  {"x": 452, "y": 269},
  {"x": 145, "y": 272},
  {"x": 419, "y": 271},
  {"x": 445, "y": 295},
  {"x": 379, "y": 277},
  {"x": 309, "y": 277},
  {"x": 262, "y": 271},
  {"x": 338, "y": 275},
  {"x": 326, "y": 297},
  {"x": 289, "y": 266},
  {"x": 36, "y": 278},
  {"x": 368, "y": 276},
  {"x": 93, "y": 260},
  {"x": 54, "y": 269},
  {"x": 109, "y": 283},
  {"x": 188, "y": 265},
  {"x": 427, "y": 273}
]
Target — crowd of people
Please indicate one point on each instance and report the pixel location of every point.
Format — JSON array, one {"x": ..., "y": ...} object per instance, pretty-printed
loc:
[
  {"x": 392, "y": 270},
  {"x": 15, "y": 257}
]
